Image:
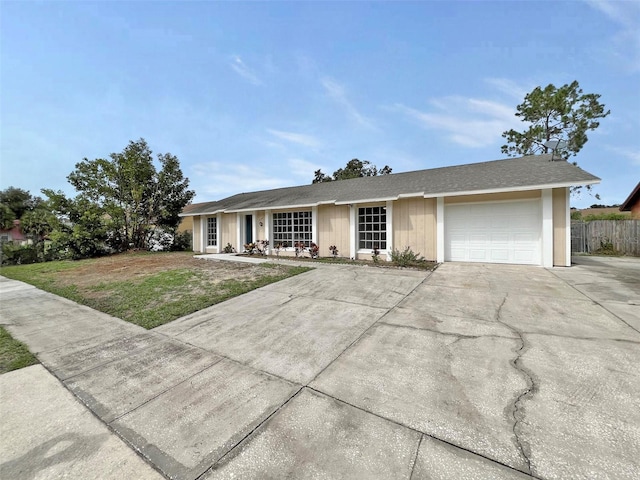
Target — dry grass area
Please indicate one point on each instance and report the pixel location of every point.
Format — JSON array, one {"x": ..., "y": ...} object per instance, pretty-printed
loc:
[
  {"x": 149, "y": 289},
  {"x": 136, "y": 266}
]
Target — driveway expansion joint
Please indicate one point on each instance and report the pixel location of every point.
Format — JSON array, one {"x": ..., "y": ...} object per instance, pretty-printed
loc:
[
  {"x": 422, "y": 434},
  {"x": 415, "y": 457},
  {"x": 378, "y": 321},
  {"x": 596, "y": 302},
  {"x": 240, "y": 442}
]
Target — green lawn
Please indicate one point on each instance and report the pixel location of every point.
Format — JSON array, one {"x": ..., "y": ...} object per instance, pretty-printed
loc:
[
  {"x": 149, "y": 289},
  {"x": 13, "y": 354}
]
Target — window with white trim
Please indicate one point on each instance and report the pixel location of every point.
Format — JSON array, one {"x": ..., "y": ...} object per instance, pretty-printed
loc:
[
  {"x": 372, "y": 228},
  {"x": 291, "y": 228},
  {"x": 212, "y": 231}
]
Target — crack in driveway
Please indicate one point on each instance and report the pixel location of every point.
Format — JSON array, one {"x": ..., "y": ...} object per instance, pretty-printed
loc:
[{"x": 516, "y": 405}]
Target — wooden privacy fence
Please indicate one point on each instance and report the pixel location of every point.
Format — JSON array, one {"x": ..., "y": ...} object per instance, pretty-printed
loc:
[{"x": 623, "y": 236}]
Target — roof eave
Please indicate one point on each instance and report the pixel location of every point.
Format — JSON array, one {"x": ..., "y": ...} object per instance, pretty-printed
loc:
[
  {"x": 523, "y": 188},
  {"x": 402, "y": 195},
  {"x": 626, "y": 205}
]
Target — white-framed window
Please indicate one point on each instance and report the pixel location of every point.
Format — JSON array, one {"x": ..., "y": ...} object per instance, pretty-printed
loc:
[
  {"x": 292, "y": 227},
  {"x": 372, "y": 228},
  {"x": 212, "y": 231}
]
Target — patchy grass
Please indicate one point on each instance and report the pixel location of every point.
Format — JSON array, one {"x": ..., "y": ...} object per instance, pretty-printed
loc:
[
  {"x": 13, "y": 354},
  {"x": 149, "y": 289}
]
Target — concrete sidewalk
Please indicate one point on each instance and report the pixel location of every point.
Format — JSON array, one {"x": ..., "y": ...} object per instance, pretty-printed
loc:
[
  {"x": 46, "y": 433},
  {"x": 474, "y": 371}
]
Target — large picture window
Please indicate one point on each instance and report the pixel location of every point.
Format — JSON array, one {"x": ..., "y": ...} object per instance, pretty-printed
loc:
[
  {"x": 292, "y": 227},
  {"x": 212, "y": 231},
  {"x": 372, "y": 228}
]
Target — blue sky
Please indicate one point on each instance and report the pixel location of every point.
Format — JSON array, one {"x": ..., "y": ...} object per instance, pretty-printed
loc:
[{"x": 259, "y": 95}]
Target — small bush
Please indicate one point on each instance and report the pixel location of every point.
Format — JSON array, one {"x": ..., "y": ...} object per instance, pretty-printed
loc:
[
  {"x": 375, "y": 255},
  {"x": 13, "y": 254},
  {"x": 405, "y": 258},
  {"x": 606, "y": 248},
  {"x": 228, "y": 248},
  {"x": 606, "y": 216},
  {"x": 182, "y": 242}
]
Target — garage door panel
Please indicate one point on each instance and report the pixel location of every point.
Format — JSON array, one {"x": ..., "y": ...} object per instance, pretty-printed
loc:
[
  {"x": 525, "y": 256},
  {"x": 501, "y": 232},
  {"x": 458, "y": 255},
  {"x": 475, "y": 238},
  {"x": 499, "y": 255},
  {"x": 525, "y": 238},
  {"x": 477, "y": 255},
  {"x": 499, "y": 238}
]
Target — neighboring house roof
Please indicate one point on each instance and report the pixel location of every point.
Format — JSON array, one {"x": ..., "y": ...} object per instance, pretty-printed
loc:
[
  {"x": 523, "y": 173},
  {"x": 15, "y": 233},
  {"x": 632, "y": 200}
]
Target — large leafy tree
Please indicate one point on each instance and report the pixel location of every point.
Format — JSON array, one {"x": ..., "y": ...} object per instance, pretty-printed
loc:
[
  {"x": 353, "y": 169},
  {"x": 135, "y": 197},
  {"x": 81, "y": 226},
  {"x": 6, "y": 217},
  {"x": 563, "y": 114},
  {"x": 19, "y": 201},
  {"x": 38, "y": 224}
]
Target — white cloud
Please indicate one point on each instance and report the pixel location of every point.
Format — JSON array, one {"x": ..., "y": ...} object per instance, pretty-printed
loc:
[
  {"x": 244, "y": 71},
  {"x": 509, "y": 87},
  {"x": 302, "y": 168},
  {"x": 469, "y": 122},
  {"x": 625, "y": 44},
  {"x": 338, "y": 93},
  {"x": 216, "y": 180},
  {"x": 299, "y": 138},
  {"x": 628, "y": 153}
]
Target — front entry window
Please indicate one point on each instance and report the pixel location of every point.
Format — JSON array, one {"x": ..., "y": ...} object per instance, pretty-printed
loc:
[{"x": 372, "y": 228}]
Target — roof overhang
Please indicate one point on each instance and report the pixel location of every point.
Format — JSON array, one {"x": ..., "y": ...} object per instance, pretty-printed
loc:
[
  {"x": 523, "y": 188},
  {"x": 627, "y": 204}
]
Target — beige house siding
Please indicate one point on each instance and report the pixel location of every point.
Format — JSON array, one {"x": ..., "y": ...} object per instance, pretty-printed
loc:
[
  {"x": 333, "y": 229},
  {"x": 414, "y": 226},
  {"x": 186, "y": 225},
  {"x": 227, "y": 232},
  {"x": 197, "y": 235},
  {"x": 494, "y": 197},
  {"x": 559, "y": 196}
]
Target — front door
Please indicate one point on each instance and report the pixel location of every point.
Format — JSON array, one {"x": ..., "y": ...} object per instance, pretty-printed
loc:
[{"x": 248, "y": 229}]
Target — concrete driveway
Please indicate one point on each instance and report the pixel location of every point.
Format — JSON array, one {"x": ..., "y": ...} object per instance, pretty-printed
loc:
[{"x": 473, "y": 371}]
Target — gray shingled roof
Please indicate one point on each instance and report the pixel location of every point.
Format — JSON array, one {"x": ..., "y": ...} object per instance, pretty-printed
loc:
[{"x": 535, "y": 171}]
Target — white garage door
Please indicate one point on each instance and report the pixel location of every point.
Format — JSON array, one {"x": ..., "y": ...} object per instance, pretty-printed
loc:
[{"x": 501, "y": 232}]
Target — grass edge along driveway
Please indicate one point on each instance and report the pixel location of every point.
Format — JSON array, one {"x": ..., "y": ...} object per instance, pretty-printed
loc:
[
  {"x": 13, "y": 354},
  {"x": 150, "y": 299}
]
